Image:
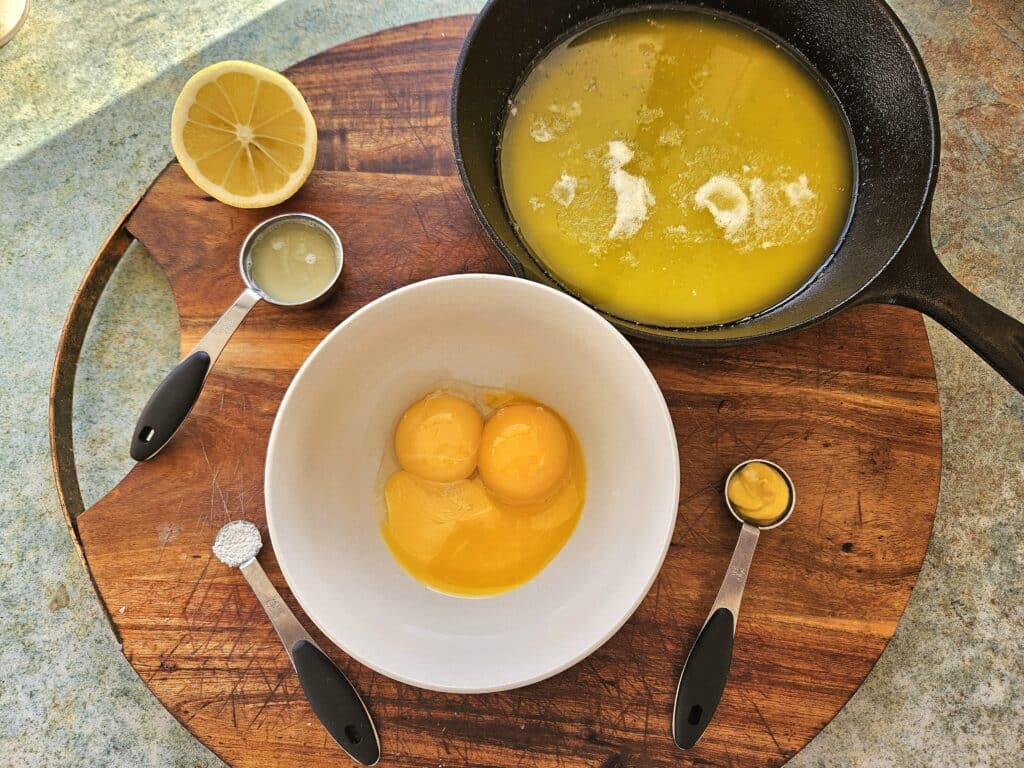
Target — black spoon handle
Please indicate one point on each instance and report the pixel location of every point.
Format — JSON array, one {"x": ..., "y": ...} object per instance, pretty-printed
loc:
[
  {"x": 173, "y": 399},
  {"x": 336, "y": 703},
  {"x": 169, "y": 404},
  {"x": 706, "y": 668},
  {"x": 703, "y": 679}
]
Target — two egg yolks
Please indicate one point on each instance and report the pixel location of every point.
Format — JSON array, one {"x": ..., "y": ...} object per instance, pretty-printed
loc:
[{"x": 481, "y": 507}]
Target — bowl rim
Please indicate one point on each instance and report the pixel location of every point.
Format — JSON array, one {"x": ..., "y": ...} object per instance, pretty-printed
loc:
[{"x": 663, "y": 412}]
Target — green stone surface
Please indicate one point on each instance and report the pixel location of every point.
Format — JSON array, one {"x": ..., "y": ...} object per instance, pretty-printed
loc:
[{"x": 86, "y": 91}]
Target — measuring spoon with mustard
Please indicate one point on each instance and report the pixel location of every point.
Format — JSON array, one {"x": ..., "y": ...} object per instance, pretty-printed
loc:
[
  {"x": 761, "y": 496},
  {"x": 292, "y": 261}
]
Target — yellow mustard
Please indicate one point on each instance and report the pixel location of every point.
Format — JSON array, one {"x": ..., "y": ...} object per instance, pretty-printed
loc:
[{"x": 759, "y": 494}]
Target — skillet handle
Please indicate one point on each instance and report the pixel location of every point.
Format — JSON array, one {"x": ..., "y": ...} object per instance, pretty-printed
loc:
[{"x": 916, "y": 278}]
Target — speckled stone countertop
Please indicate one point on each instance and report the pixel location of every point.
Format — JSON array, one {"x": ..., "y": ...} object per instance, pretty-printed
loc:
[{"x": 85, "y": 96}]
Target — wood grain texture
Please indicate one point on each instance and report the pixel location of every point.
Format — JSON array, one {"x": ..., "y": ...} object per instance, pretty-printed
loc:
[{"x": 849, "y": 407}]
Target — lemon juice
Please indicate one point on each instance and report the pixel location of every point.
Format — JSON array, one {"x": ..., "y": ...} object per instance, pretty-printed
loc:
[{"x": 293, "y": 262}]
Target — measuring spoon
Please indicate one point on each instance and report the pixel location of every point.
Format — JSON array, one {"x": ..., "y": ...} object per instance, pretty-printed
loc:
[
  {"x": 172, "y": 400},
  {"x": 706, "y": 669},
  {"x": 330, "y": 694}
]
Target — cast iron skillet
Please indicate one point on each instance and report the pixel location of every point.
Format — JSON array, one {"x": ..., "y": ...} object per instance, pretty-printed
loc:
[{"x": 865, "y": 55}]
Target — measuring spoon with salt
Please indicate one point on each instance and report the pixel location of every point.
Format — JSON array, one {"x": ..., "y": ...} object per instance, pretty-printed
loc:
[
  {"x": 330, "y": 694},
  {"x": 271, "y": 273}
]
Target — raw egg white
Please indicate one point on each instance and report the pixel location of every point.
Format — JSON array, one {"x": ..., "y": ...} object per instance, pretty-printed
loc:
[{"x": 490, "y": 487}]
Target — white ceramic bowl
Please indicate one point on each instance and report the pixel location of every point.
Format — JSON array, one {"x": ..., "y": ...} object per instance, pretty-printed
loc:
[{"x": 336, "y": 422}]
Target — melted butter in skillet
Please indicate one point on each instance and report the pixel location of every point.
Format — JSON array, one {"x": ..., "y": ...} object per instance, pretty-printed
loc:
[{"x": 676, "y": 168}]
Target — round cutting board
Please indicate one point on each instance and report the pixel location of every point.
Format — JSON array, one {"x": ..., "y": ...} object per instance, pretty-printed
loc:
[{"x": 849, "y": 407}]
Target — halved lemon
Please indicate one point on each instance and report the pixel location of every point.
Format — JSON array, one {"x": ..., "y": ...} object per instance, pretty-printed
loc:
[{"x": 244, "y": 134}]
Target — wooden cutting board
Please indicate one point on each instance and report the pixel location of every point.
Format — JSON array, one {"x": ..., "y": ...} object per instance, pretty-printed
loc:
[{"x": 849, "y": 407}]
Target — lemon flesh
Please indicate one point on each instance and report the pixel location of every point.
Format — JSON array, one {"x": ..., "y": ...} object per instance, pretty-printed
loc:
[{"x": 244, "y": 134}]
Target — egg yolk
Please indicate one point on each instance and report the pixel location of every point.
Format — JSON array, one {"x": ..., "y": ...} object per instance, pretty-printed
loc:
[
  {"x": 461, "y": 539},
  {"x": 480, "y": 508},
  {"x": 759, "y": 493},
  {"x": 524, "y": 452},
  {"x": 438, "y": 438}
]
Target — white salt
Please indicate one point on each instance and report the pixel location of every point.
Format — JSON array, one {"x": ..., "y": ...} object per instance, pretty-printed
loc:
[{"x": 237, "y": 542}]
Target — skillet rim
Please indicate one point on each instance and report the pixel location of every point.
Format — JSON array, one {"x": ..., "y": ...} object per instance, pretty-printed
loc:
[{"x": 861, "y": 295}]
